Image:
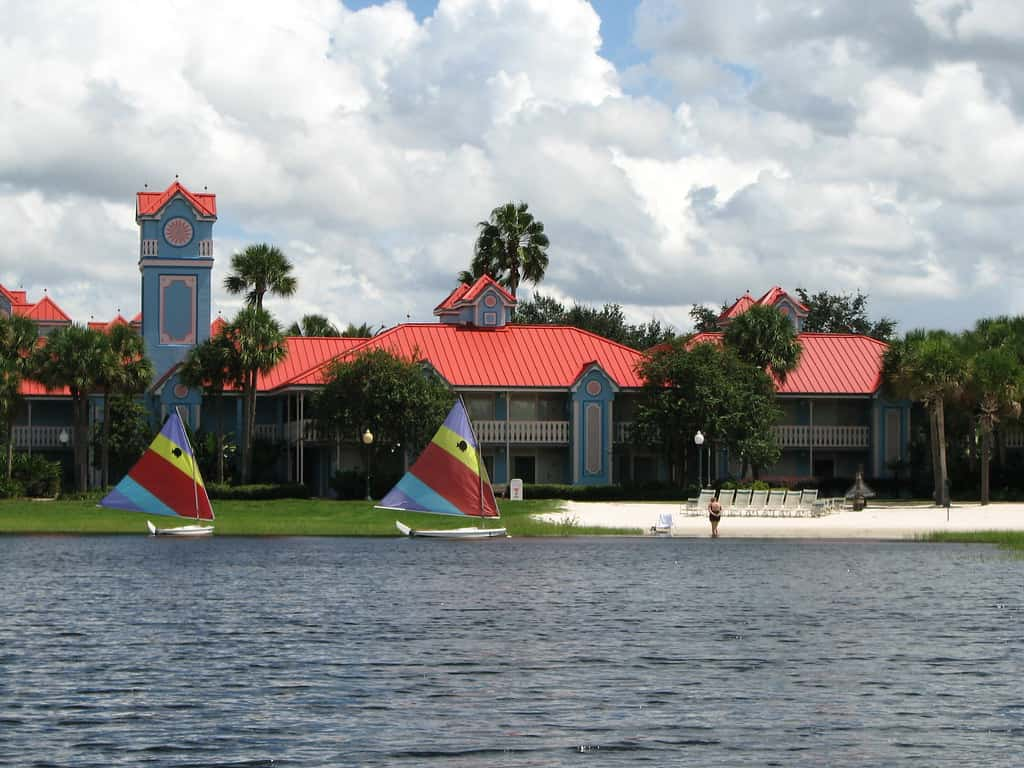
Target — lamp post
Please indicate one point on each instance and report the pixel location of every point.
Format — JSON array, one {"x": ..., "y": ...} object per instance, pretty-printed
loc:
[
  {"x": 698, "y": 440},
  {"x": 368, "y": 441}
]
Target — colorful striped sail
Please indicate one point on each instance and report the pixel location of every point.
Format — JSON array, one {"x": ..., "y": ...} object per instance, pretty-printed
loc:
[
  {"x": 166, "y": 480},
  {"x": 449, "y": 477}
]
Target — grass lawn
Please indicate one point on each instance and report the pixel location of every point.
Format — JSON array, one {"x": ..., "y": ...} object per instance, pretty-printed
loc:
[
  {"x": 284, "y": 517},
  {"x": 1005, "y": 539}
]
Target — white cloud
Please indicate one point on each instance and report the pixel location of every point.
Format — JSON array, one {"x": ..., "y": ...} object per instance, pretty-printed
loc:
[{"x": 821, "y": 144}]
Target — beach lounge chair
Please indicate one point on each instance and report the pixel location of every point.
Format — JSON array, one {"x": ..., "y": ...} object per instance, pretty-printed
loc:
[
  {"x": 741, "y": 506},
  {"x": 726, "y": 498},
  {"x": 809, "y": 502},
  {"x": 791, "y": 504},
  {"x": 776, "y": 498},
  {"x": 664, "y": 525},
  {"x": 699, "y": 505},
  {"x": 758, "y": 500}
]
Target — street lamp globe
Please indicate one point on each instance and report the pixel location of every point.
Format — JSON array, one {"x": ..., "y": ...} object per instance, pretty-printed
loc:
[
  {"x": 698, "y": 440},
  {"x": 368, "y": 441}
]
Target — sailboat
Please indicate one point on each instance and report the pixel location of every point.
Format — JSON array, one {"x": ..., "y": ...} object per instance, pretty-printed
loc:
[
  {"x": 166, "y": 481},
  {"x": 448, "y": 478}
]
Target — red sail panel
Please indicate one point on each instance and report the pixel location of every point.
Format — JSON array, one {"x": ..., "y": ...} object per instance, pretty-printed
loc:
[
  {"x": 172, "y": 486},
  {"x": 453, "y": 480}
]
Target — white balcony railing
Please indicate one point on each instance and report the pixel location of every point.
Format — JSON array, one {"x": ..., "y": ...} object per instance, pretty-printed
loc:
[
  {"x": 804, "y": 436},
  {"x": 535, "y": 432},
  {"x": 42, "y": 437}
]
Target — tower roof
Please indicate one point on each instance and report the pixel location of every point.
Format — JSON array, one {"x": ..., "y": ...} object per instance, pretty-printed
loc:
[{"x": 151, "y": 203}]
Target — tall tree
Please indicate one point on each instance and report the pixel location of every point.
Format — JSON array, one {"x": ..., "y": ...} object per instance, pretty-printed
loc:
[
  {"x": 764, "y": 337},
  {"x": 927, "y": 367},
  {"x": 259, "y": 344},
  {"x": 511, "y": 248},
  {"x": 609, "y": 321},
  {"x": 18, "y": 338},
  {"x": 362, "y": 331},
  {"x": 125, "y": 370},
  {"x": 711, "y": 389},
  {"x": 843, "y": 313},
  {"x": 214, "y": 365},
  {"x": 993, "y": 387},
  {"x": 312, "y": 325},
  {"x": 258, "y": 270},
  {"x": 73, "y": 357},
  {"x": 705, "y": 319},
  {"x": 391, "y": 396}
]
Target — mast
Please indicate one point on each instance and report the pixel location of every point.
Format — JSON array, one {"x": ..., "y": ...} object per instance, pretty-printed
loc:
[
  {"x": 192, "y": 459},
  {"x": 479, "y": 463}
]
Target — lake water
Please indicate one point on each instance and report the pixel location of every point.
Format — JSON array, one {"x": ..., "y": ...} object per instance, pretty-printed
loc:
[{"x": 136, "y": 651}]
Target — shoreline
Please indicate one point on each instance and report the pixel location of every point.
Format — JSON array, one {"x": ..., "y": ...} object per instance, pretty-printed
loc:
[{"x": 885, "y": 522}]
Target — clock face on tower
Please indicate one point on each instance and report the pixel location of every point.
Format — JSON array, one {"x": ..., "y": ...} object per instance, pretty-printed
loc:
[{"x": 178, "y": 232}]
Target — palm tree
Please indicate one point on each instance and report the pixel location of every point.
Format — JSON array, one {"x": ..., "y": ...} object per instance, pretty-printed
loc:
[
  {"x": 363, "y": 331},
  {"x": 258, "y": 270},
  {"x": 259, "y": 344},
  {"x": 312, "y": 325},
  {"x": 18, "y": 337},
  {"x": 125, "y": 370},
  {"x": 73, "y": 357},
  {"x": 927, "y": 367},
  {"x": 765, "y": 337},
  {"x": 213, "y": 365},
  {"x": 511, "y": 247}
]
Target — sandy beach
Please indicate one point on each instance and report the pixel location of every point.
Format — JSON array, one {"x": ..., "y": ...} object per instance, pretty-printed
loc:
[{"x": 875, "y": 522}]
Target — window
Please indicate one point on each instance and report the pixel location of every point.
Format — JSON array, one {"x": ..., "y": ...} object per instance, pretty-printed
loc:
[
  {"x": 523, "y": 408},
  {"x": 524, "y": 468},
  {"x": 480, "y": 407}
]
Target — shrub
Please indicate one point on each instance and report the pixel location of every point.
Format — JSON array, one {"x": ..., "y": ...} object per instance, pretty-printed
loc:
[
  {"x": 631, "y": 492},
  {"x": 258, "y": 492},
  {"x": 37, "y": 476},
  {"x": 10, "y": 489}
]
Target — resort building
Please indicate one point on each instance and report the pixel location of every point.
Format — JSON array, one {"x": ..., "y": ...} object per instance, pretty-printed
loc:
[{"x": 551, "y": 404}]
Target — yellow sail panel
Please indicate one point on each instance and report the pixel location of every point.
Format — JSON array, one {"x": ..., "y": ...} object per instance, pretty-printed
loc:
[
  {"x": 165, "y": 448},
  {"x": 456, "y": 445}
]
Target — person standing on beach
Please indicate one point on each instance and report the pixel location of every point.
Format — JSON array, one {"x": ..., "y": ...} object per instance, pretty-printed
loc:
[{"x": 714, "y": 515}]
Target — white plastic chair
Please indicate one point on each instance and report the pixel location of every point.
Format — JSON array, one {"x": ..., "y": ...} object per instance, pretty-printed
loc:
[
  {"x": 727, "y": 497},
  {"x": 758, "y": 502},
  {"x": 741, "y": 506},
  {"x": 664, "y": 525},
  {"x": 776, "y": 498},
  {"x": 809, "y": 502},
  {"x": 699, "y": 505},
  {"x": 791, "y": 504}
]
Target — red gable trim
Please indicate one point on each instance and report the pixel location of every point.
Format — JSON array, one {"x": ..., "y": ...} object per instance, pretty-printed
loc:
[
  {"x": 151, "y": 203},
  {"x": 741, "y": 305},
  {"x": 464, "y": 294},
  {"x": 46, "y": 310},
  {"x": 775, "y": 294}
]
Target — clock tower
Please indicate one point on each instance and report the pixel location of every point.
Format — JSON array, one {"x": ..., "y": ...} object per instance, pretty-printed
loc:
[{"x": 176, "y": 261}]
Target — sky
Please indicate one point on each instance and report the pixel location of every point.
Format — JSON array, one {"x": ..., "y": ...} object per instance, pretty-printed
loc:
[{"x": 679, "y": 152}]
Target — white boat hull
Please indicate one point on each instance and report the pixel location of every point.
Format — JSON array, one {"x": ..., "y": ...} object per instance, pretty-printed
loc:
[
  {"x": 453, "y": 533},
  {"x": 185, "y": 530}
]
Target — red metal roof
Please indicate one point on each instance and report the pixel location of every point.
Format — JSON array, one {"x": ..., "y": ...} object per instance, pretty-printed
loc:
[
  {"x": 44, "y": 310},
  {"x": 770, "y": 299},
  {"x": 512, "y": 356},
  {"x": 304, "y": 353},
  {"x": 830, "y": 364},
  {"x": 150, "y": 203},
  {"x": 741, "y": 305},
  {"x": 775, "y": 293},
  {"x": 466, "y": 293}
]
